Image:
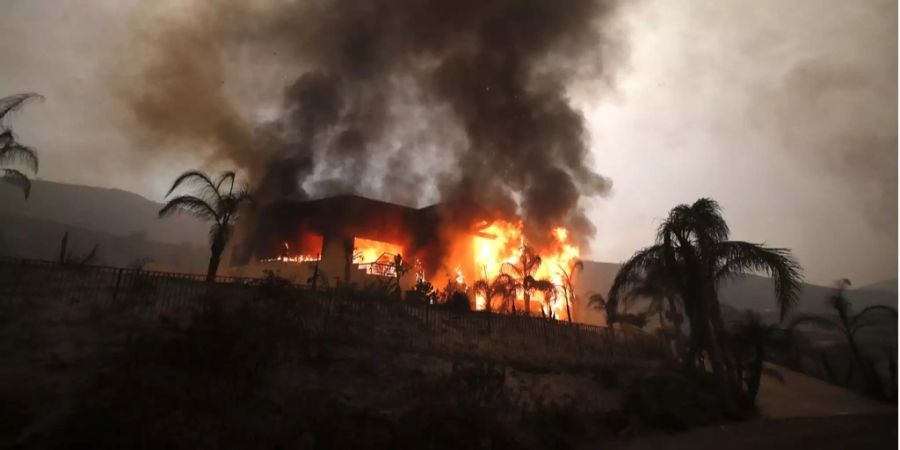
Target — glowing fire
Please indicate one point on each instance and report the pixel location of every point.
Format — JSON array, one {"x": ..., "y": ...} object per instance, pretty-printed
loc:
[
  {"x": 537, "y": 276},
  {"x": 287, "y": 257},
  {"x": 499, "y": 248},
  {"x": 376, "y": 257}
]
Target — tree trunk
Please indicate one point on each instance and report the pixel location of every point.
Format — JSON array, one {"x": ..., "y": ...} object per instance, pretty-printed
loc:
[
  {"x": 218, "y": 246},
  {"x": 527, "y": 298},
  {"x": 871, "y": 384},
  {"x": 213, "y": 266},
  {"x": 722, "y": 370},
  {"x": 756, "y": 372}
]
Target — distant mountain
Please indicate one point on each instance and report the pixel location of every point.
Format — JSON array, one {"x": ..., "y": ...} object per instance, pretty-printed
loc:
[
  {"x": 884, "y": 285},
  {"x": 110, "y": 211},
  {"x": 25, "y": 237},
  {"x": 747, "y": 292}
]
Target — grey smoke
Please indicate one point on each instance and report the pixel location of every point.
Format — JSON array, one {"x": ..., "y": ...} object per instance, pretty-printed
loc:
[{"x": 490, "y": 76}]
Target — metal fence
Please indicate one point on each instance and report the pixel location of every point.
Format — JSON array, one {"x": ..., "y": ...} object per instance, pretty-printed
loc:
[{"x": 333, "y": 314}]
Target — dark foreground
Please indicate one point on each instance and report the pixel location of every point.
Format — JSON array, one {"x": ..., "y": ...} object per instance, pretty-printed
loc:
[{"x": 821, "y": 433}]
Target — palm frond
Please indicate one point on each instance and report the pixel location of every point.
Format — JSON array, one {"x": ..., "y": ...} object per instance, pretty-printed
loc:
[
  {"x": 633, "y": 271},
  {"x": 224, "y": 177},
  {"x": 541, "y": 285},
  {"x": 736, "y": 257},
  {"x": 863, "y": 320},
  {"x": 673, "y": 225},
  {"x": 481, "y": 286},
  {"x": 14, "y": 102},
  {"x": 14, "y": 152},
  {"x": 878, "y": 308},
  {"x": 511, "y": 270},
  {"x": 199, "y": 180},
  {"x": 706, "y": 220},
  {"x": 530, "y": 260},
  {"x": 189, "y": 204},
  {"x": 17, "y": 179},
  {"x": 597, "y": 301},
  {"x": 90, "y": 257}
]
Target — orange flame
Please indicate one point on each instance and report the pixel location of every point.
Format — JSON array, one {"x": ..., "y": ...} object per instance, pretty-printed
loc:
[
  {"x": 367, "y": 251},
  {"x": 498, "y": 249},
  {"x": 286, "y": 257},
  {"x": 375, "y": 256}
]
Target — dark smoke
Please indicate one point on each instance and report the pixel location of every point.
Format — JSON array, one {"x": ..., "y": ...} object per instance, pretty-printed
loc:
[{"x": 395, "y": 99}]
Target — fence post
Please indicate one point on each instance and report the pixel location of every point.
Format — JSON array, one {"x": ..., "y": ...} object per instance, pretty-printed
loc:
[{"x": 118, "y": 283}]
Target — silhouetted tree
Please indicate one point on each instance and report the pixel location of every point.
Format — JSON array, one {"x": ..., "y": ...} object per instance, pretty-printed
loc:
[
  {"x": 692, "y": 248},
  {"x": 848, "y": 325},
  {"x": 750, "y": 338},
  {"x": 522, "y": 274},
  {"x": 209, "y": 202},
  {"x": 614, "y": 314},
  {"x": 503, "y": 287},
  {"x": 661, "y": 290},
  {"x": 400, "y": 269},
  {"x": 11, "y": 150},
  {"x": 568, "y": 286},
  {"x": 66, "y": 257}
]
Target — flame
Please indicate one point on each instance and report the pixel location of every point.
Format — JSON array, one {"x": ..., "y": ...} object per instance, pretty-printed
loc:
[
  {"x": 287, "y": 257},
  {"x": 503, "y": 243},
  {"x": 376, "y": 257},
  {"x": 497, "y": 248},
  {"x": 460, "y": 278}
]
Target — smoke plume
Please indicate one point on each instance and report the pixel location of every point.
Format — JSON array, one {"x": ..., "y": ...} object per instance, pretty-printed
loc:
[{"x": 404, "y": 100}]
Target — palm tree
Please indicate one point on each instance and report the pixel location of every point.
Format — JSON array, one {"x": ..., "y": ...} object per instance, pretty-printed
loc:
[
  {"x": 522, "y": 273},
  {"x": 750, "y": 338},
  {"x": 610, "y": 307},
  {"x": 11, "y": 151},
  {"x": 568, "y": 286},
  {"x": 503, "y": 287},
  {"x": 848, "y": 325},
  {"x": 693, "y": 251},
  {"x": 660, "y": 290},
  {"x": 211, "y": 203}
]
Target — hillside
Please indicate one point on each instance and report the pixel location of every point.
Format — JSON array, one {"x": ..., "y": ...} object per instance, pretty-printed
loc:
[
  {"x": 884, "y": 285},
  {"x": 25, "y": 237},
  {"x": 110, "y": 211}
]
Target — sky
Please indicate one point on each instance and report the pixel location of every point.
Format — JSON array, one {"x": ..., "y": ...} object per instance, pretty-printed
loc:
[{"x": 784, "y": 112}]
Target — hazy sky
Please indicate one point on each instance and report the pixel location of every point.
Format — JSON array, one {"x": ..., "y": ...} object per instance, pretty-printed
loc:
[{"x": 783, "y": 111}]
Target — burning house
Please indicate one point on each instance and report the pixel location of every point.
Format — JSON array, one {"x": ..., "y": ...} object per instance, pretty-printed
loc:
[
  {"x": 407, "y": 101},
  {"x": 355, "y": 240}
]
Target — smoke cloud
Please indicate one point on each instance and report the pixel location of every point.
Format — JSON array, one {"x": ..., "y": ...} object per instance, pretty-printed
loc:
[{"x": 409, "y": 101}]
